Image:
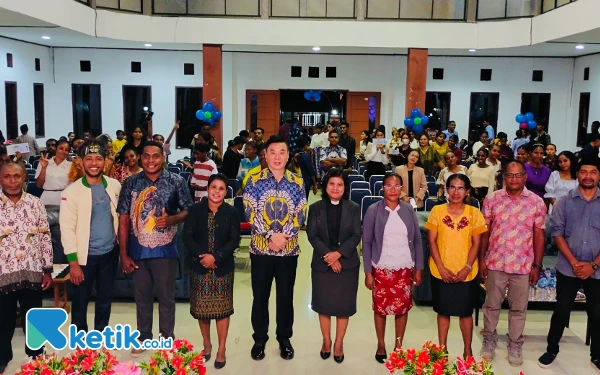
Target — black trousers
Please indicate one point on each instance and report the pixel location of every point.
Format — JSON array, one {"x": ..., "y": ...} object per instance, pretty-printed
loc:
[
  {"x": 101, "y": 270},
  {"x": 27, "y": 299},
  {"x": 566, "y": 290},
  {"x": 264, "y": 269}
]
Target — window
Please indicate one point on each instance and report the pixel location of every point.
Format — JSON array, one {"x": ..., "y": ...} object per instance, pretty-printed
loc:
[
  {"x": 330, "y": 72},
  {"x": 296, "y": 71},
  {"x": 137, "y": 101},
  {"x": 438, "y": 73},
  {"x": 437, "y": 107},
  {"x": 586, "y": 74},
  {"x": 484, "y": 105},
  {"x": 9, "y": 60},
  {"x": 313, "y": 72},
  {"x": 87, "y": 109},
  {"x": 584, "y": 114},
  {"x": 187, "y": 101},
  {"x": 38, "y": 110},
  {"x": 85, "y": 66},
  {"x": 136, "y": 67},
  {"x": 10, "y": 99},
  {"x": 538, "y": 104},
  {"x": 485, "y": 75},
  {"x": 188, "y": 69},
  {"x": 537, "y": 76},
  {"x": 38, "y": 65}
]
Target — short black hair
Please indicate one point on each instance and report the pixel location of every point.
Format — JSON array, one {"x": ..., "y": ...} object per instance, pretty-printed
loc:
[
  {"x": 244, "y": 133},
  {"x": 24, "y": 128},
  {"x": 275, "y": 139},
  {"x": 332, "y": 173},
  {"x": 158, "y": 135},
  {"x": 301, "y": 142},
  {"x": 459, "y": 176},
  {"x": 154, "y": 144},
  {"x": 52, "y": 140},
  {"x": 502, "y": 135},
  {"x": 206, "y": 136},
  {"x": 334, "y": 131},
  {"x": 389, "y": 175},
  {"x": 3, "y": 150},
  {"x": 344, "y": 122},
  {"x": 217, "y": 176},
  {"x": 202, "y": 147},
  {"x": 454, "y": 137},
  {"x": 261, "y": 129},
  {"x": 120, "y": 132},
  {"x": 236, "y": 141}
]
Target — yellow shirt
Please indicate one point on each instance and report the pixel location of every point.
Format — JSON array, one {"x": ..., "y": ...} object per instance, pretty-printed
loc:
[
  {"x": 117, "y": 145},
  {"x": 454, "y": 237},
  {"x": 250, "y": 173},
  {"x": 441, "y": 150}
]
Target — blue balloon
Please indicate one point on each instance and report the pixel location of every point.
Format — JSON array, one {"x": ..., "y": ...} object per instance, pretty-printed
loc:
[
  {"x": 408, "y": 122},
  {"x": 217, "y": 115},
  {"x": 208, "y": 107},
  {"x": 520, "y": 118},
  {"x": 424, "y": 120},
  {"x": 210, "y": 121},
  {"x": 200, "y": 115},
  {"x": 529, "y": 116},
  {"x": 317, "y": 97},
  {"x": 307, "y": 95},
  {"x": 418, "y": 129},
  {"x": 415, "y": 113},
  {"x": 531, "y": 124}
]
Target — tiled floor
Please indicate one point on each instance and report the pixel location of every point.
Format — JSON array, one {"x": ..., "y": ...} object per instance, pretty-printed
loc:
[{"x": 360, "y": 341}]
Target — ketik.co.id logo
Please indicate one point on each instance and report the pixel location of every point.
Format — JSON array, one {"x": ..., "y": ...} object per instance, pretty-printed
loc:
[{"x": 44, "y": 324}]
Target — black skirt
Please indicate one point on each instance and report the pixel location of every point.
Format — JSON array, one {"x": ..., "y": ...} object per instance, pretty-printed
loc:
[
  {"x": 453, "y": 299},
  {"x": 334, "y": 294}
]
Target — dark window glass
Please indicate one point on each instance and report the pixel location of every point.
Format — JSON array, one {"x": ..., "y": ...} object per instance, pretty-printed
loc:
[
  {"x": 537, "y": 76},
  {"x": 136, "y": 67},
  {"x": 188, "y": 101},
  {"x": 437, "y": 107},
  {"x": 484, "y": 105},
  {"x": 38, "y": 65},
  {"x": 87, "y": 109},
  {"x": 9, "y": 60},
  {"x": 38, "y": 107},
  {"x": 485, "y": 75},
  {"x": 313, "y": 72},
  {"x": 331, "y": 72},
  {"x": 584, "y": 115},
  {"x": 438, "y": 73},
  {"x": 188, "y": 69},
  {"x": 10, "y": 100},
  {"x": 85, "y": 66},
  {"x": 137, "y": 101},
  {"x": 538, "y": 104},
  {"x": 296, "y": 71}
]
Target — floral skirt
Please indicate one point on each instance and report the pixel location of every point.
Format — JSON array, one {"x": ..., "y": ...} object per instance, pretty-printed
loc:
[
  {"x": 211, "y": 296},
  {"x": 392, "y": 292}
]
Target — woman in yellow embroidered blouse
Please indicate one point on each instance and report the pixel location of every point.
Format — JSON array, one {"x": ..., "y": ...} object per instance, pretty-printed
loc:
[{"x": 454, "y": 231}]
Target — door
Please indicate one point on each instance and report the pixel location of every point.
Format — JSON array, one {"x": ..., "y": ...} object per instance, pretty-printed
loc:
[
  {"x": 262, "y": 111},
  {"x": 362, "y": 110}
]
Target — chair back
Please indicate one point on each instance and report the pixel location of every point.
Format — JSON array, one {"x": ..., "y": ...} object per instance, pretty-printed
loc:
[
  {"x": 430, "y": 203},
  {"x": 366, "y": 202},
  {"x": 374, "y": 178},
  {"x": 357, "y": 195},
  {"x": 359, "y": 185},
  {"x": 432, "y": 189}
]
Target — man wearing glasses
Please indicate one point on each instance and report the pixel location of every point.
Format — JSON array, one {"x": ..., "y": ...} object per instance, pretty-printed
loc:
[{"x": 511, "y": 253}]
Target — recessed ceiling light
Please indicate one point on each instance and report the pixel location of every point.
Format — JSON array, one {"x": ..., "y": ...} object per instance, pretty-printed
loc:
[
  {"x": 46, "y": 37},
  {"x": 472, "y": 50},
  {"x": 579, "y": 46},
  {"x": 147, "y": 45},
  {"x": 316, "y": 48}
]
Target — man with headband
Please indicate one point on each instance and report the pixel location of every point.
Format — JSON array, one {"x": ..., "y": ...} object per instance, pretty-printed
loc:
[{"x": 91, "y": 202}]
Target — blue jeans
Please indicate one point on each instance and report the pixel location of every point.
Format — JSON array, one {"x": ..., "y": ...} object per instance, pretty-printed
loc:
[{"x": 102, "y": 270}]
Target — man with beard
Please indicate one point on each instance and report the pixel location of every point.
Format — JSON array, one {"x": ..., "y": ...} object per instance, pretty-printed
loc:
[
  {"x": 576, "y": 232},
  {"x": 90, "y": 202}
]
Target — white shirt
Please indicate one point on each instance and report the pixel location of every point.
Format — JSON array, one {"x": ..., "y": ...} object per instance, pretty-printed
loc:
[
  {"x": 373, "y": 154},
  {"x": 476, "y": 147},
  {"x": 395, "y": 252},
  {"x": 319, "y": 140},
  {"x": 557, "y": 187},
  {"x": 57, "y": 179}
]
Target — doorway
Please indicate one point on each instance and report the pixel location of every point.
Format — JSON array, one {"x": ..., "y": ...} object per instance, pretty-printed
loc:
[
  {"x": 137, "y": 102},
  {"x": 484, "y": 105}
]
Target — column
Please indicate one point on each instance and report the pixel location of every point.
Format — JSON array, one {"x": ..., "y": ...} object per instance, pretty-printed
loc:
[
  {"x": 416, "y": 80},
  {"x": 212, "y": 90}
]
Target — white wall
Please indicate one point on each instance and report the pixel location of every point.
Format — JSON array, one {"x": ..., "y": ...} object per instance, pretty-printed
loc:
[{"x": 23, "y": 72}]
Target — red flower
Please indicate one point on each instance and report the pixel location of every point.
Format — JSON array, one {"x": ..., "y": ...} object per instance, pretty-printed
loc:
[
  {"x": 181, "y": 371},
  {"x": 87, "y": 364},
  {"x": 423, "y": 357},
  {"x": 177, "y": 361},
  {"x": 152, "y": 362},
  {"x": 438, "y": 369},
  {"x": 410, "y": 355},
  {"x": 46, "y": 371}
]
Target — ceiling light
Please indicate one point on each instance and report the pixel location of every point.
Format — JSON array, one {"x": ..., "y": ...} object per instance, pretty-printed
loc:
[
  {"x": 472, "y": 50},
  {"x": 316, "y": 48},
  {"x": 334, "y": 112},
  {"x": 46, "y": 37},
  {"x": 147, "y": 45},
  {"x": 579, "y": 46}
]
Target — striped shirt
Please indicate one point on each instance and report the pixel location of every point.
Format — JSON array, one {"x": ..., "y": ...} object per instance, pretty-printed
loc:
[{"x": 202, "y": 172}]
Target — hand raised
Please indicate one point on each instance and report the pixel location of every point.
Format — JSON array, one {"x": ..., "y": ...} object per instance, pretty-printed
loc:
[{"x": 44, "y": 161}]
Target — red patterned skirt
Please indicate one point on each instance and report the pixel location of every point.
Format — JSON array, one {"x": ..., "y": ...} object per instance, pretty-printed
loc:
[{"x": 392, "y": 292}]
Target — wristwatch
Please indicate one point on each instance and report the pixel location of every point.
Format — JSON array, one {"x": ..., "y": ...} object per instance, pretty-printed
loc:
[
  {"x": 269, "y": 235},
  {"x": 594, "y": 266},
  {"x": 538, "y": 266}
]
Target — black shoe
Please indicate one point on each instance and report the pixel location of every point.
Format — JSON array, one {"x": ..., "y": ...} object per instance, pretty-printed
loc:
[
  {"x": 286, "y": 349},
  {"x": 258, "y": 351},
  {"x": 381, "y": 358},
  {"x": 595, "y": 364},
  {"x": 338, "y": 358},
  {"x": 219, "y": 365},
  {"x": 546, "y": 360},
  {"x": 325, "y": 355}
]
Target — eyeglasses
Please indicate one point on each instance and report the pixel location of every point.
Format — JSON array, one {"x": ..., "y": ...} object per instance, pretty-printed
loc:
[
  {"x": 514, "y": 175},
  {"x": 459, "y": 189},
  {"x": 392, "y": 187}
]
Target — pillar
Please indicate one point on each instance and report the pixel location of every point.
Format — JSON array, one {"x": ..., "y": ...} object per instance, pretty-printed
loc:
[
  {"x": 212, "y": 90},
  {"x": 416, "y": 80}
]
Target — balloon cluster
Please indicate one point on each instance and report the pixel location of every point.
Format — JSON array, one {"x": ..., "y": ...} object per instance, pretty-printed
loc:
[
  {"x": 208, "y": 114},
  {"x": 312, "y": 95},
  {"x": 416, "y": 121},
  {"x": 526, "y": 121}
]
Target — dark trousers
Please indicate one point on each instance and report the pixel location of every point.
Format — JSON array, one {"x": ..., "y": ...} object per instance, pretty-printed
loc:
[
  {"x": 155, "y": 275},
  {"x": 264, "y": 269},
  {"x": 27, "y": 299},
  {"x": 101, "y": 270},
  {"x": 566, "y": 291}
]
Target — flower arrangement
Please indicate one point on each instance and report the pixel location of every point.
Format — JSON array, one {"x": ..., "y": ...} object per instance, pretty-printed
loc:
[
  {"x": 180, "y": 360},
  {"x": 432, "y": 359},
  {"x": 81, "y": 362}
]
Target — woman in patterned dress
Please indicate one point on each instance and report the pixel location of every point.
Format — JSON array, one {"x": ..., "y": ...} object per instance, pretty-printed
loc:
[
  {"x": 454, "y": 230},
  {"x": 131, "y": 166},
  {"x": 393, "y": 259},
  {"x": 211, "y": 234}
]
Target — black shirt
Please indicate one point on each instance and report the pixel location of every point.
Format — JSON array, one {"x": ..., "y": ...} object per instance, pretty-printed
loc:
[
  {"x": 349, "y": 144},
  {"x": 231, "y": 163},
  {"x": 334, "y": 220},
  {"x": 411, "y": 191}
]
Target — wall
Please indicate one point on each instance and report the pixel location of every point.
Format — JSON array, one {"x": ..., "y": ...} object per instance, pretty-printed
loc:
[
  {"x": 23, "y": 72},
  {"x": 592, "y": 86}
]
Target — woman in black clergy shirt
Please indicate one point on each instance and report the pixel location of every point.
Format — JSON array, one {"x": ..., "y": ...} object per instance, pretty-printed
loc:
[
  {"x": 211, "y": 234},
  {"x": 335, "y": 263}
]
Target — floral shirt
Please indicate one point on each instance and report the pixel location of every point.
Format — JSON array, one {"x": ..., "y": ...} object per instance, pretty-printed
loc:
[
  {"x": 274, "y": 206},
  {"x": 25, "y": 245},
  {"x": 511, "y": 222}
]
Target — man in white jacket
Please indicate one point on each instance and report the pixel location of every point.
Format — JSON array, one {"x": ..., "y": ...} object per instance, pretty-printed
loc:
[{"x": 91, "y": 202}]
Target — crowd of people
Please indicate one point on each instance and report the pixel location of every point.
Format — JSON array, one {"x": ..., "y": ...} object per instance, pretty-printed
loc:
[{"x": 123, "y": 189}]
